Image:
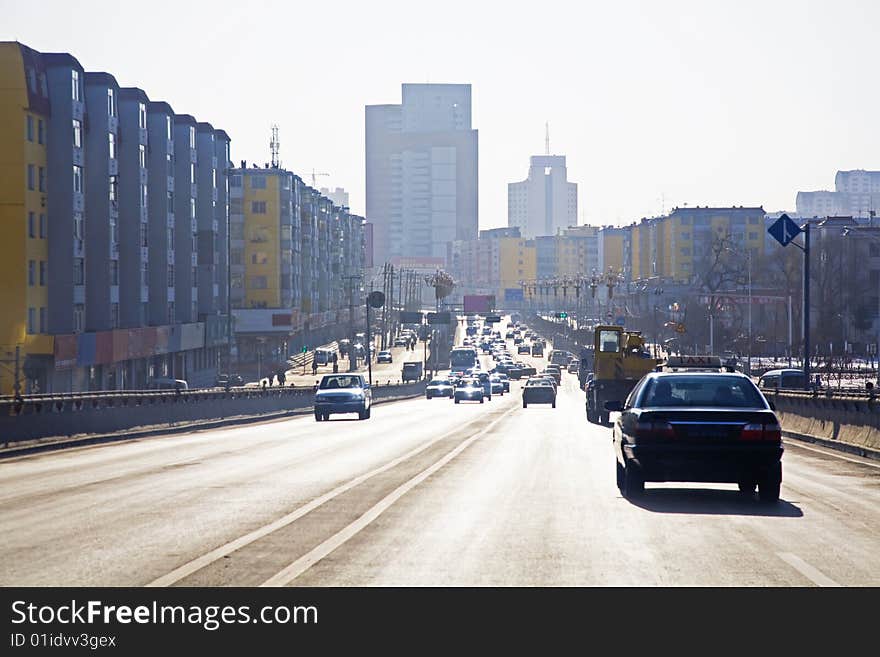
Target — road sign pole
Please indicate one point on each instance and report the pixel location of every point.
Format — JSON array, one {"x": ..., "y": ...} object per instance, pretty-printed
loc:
[
  {"x": 806, "y": 311},
  {"x": 369, "y": 346}
]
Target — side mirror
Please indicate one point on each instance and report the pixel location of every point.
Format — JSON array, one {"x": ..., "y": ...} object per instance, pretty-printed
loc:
[{"x": 613, "y": 406}]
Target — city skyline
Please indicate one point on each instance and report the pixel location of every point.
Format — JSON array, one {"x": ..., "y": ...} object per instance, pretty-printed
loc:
[{"x": 711, "y": 107}]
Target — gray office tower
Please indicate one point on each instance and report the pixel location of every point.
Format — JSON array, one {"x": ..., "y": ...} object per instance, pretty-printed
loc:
[{"x": 422, "y": 172}]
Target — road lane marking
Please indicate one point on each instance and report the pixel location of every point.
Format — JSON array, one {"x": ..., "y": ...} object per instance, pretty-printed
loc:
[
  {"x": 312, "y": 557},
  {"x": 827, "y": 451},
  {"x": 813, "y": 574},
  {"x": 218, "y": 553}
]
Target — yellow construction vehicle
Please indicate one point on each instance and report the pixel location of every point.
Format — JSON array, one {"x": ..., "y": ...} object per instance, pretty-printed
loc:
[{"x": 620, "y": 360}]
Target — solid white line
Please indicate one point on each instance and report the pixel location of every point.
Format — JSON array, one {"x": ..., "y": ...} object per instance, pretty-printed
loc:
[
  {"x": 813, "y": 574},
  {"x": 309, "y": 559},
  {"x": 827, "y": 451},
  {"x": 218, "y": 553}
]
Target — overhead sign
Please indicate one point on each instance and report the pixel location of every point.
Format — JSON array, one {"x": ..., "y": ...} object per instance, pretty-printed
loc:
[
  {"x": 478, "y": 303},
  {"x": 376, "y": 299},
  {"x": 439, "y": 318},
  {"x": 408, "y": 317},
  {"x": 784, "y": 230}
]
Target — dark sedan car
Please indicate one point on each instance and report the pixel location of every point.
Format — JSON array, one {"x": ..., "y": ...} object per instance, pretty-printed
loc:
[
  {"x": 697, "y": 426},
  {"x": 539, "y": 390}
]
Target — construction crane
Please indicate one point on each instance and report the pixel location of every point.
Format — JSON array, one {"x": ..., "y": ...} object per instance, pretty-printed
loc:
[{"x": 315, "y": 178}]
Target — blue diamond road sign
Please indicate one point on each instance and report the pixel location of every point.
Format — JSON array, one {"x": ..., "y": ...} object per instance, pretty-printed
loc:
[{"x": 784, "y": 230}]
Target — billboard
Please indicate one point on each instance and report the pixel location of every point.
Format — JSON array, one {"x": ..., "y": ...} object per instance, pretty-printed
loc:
[{"x": 479, "y": 303}]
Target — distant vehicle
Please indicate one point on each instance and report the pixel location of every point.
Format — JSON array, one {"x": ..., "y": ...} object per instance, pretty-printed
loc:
[
  {"x": 701, "y": 425},
  {"x": 559, "y": 357},
  {"x": 412, "y": 371},
  {"x": 462, "y": 358},
  {"x": 483, "y": 378},
  {"x": 400, "y": 341},
  {"x": 497, "y": 384},
  {"x": 232, "y": 379},
  {"x": 439, "y": 388},
  {"x": 343, "y": 393},
  {"x": 164, "y": 383},
  {"x": 505, "y": 381},
  {"x": 324, "y": 356},
  {"x": 471, "y": 330},
  {"x": 539, "y": 391},
  {"x": 384, "y": 357},
  {"x": 789, "y": 379},
  {"x": 468, "y": 390},
  {"x": 524, "y": 349},
  {"x": 537, "y": 349},
  {"x": 344, "y": 346},
  {"x": 573, "y": 366},
  {"x": 555, "y": 372}
]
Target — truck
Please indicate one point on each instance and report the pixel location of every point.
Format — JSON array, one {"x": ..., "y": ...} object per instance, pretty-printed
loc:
[
  {"x": 620, "y": 360},
  {"x": 412, "y": 371}
]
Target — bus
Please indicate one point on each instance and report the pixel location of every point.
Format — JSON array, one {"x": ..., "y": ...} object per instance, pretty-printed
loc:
[{"x": 462, "y": 359}]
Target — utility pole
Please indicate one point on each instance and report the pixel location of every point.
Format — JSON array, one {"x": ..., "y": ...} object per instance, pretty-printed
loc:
[
  {"x": 806, "y": 310},
  {"x": 384, "y": 308}
]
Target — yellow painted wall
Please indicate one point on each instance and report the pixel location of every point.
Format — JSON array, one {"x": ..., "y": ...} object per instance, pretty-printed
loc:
[
  {"x": 512, "y": 252},
  {"x": 612, "y": 248},
  {"x": 16, "y": 248},
  {"x": 268, "y": 228}
]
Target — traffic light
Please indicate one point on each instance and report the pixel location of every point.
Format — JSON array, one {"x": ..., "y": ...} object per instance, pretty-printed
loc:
[
  {"x": 561, "y": 315},
  {"x": 304, "y": 349}
]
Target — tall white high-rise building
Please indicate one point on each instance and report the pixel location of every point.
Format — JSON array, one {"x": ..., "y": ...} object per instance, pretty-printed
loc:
[
  {"x": 856, "y": 194},
  {"x": 339, "y": 196},
  {"x": 421, "y": 172},
  {"x": 545, "y": 202}
]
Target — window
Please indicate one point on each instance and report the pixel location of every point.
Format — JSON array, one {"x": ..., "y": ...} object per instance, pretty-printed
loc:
[
  {"x": 144, "y": 235},
  {"x": 111, "y": 139},
  {"x": 194, "y": 281},
  {"x": 685, "y": 236},
  {"x": 77, "y": 134},
  {"x": 142, "y": 154},
  {"x": 111, "y": 103},
  {"x": 168, "y": 134},
  {"x": 114, "y": 189},
  {"x": 77, "y": 179},
  {"x": 259, "y": 283},
  {"x": 258, "y": 207},
  {"x": 79, "y": 271},
  {"x": 170, "y": 275},
  {"x": 114, "y": 272},
  {"x": 192, "y": 208},
  {"x": 78, "y": 226},
  {"x": 609, "y": 341},
  {"x": 41, "y": 136},
  {"x": 235, "y": 181},
  {"x": 42, "y": 179},
  {"x": 44, "y": 325},
  {"x": 171, "y": 312},
  {"x": 685, "y": 250},
  {"x": 114, "y": 315},
  {"x": 754, "y": 220},
  {"x": 192, "y": 137},
  {"x": 30, "y": 224},
  {"x": 32, "y": 321},
  {"x": 32, "y": 268},
  {"x": 753, "y": 236},
  {"x": 170, "y": 161},
  {"x": 170, "y": 202},
  {"x": 30, "y": 177},
  {"x": 258, "y": 182},
  {"x": 42, "y": 272},
  {"x": 259, "y": 258},
  {"x": 42, "y": 226},
  {"x": 79, "y": 318},
  {"x": 192, "y": 173},
  {"x": 29, "y": 122},
  {"x": 75, "y": 88},
  {"x": 144, "y": 196},
  {"x": 142, "y": 116},
  {"x": 170, "y": 235}
]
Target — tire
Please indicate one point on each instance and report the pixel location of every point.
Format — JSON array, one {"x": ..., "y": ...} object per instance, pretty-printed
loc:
[
  {"x": 318, "y": 416},
  {"x": 427, "y": 396},
  {"x": 553, "y": 404},
  {"x": 369, "y": 412},
  {"x": 362, "y": 415},
  {"x": 457, "y": 400},
  {"x": 619, "y": 473},
  {"x": 747, "y": 487},
  {"x": 326, "y": 417},
  {"x": 525, "y": 404},
  {"x": 769, "y": 484},
  {"x": 633, "y": 482},
  {"x": 482, "y": 400}
]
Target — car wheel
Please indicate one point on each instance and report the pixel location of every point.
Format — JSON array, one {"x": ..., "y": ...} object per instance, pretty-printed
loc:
[
  {"x": 456, "y": 400},
  {"x": 326, "y": 417},
  {"x": 427, "y": 396},
  {"x": 769, "y": 484},
  {"x": 482, "y": 400},
  {"x": 369, "y": 412},
  {"x": 633, "y": 481},
  {"x": 747, "y": 487},
  {"x": 619, "y": 472},
  {"x": 525, "y": 404},
  {"x": 553, "y": 404},
  {"x": 318, "y": 416}
]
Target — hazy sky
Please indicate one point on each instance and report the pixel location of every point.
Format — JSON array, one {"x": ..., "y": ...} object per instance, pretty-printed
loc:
[{"x": 699, "y": 102}]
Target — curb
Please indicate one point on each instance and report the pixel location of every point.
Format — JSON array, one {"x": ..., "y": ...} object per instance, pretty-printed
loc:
[
  {"x": 56, "y": 444},
  {"x": 865, "y": 452}
]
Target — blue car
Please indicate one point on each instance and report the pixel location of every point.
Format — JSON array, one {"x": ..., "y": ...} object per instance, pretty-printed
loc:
[{"x": 343, "y": 393}]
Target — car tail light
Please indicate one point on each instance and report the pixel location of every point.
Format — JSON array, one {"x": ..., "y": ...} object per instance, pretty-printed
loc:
[
  {"x": 654, "y": 431},
  {"x": 764, "y": 432}
]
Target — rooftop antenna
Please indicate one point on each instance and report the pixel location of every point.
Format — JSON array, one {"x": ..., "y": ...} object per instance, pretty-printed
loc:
[
  {"x": 315, "y": 178},
  {"x": 275, "y": 147},
  {"x": 547, "y": 138}
]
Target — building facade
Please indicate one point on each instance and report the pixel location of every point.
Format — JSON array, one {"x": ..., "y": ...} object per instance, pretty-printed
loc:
[
  {"x": 856, "y": 194},
  {"x": 421, "y": 172},
  {"x": 545, "y": 203}
]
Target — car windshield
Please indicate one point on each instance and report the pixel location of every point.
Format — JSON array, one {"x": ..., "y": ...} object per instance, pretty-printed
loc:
[
  {"x": 533, "y": 383},
  {"x": 704, "y": 391},
  {"x": 439, "y": 382},
  {"x": 336, "y": 382}
]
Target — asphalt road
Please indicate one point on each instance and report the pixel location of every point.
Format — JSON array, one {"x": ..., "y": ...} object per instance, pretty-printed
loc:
[{"x": 424, "y": 493}]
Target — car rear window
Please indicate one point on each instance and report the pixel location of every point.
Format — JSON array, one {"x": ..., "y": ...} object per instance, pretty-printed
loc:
[
  {"x": 439, "y": 382},
  {"x": 705, "y": 391},
  {"x": 332, "y": 382}
]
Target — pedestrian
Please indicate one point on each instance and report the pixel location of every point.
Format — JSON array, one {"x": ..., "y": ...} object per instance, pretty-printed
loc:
[
  {"x": 264, "y": 384},
  {"x": 282, "y": 378},
  {"x": 314, "y": 366}
]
